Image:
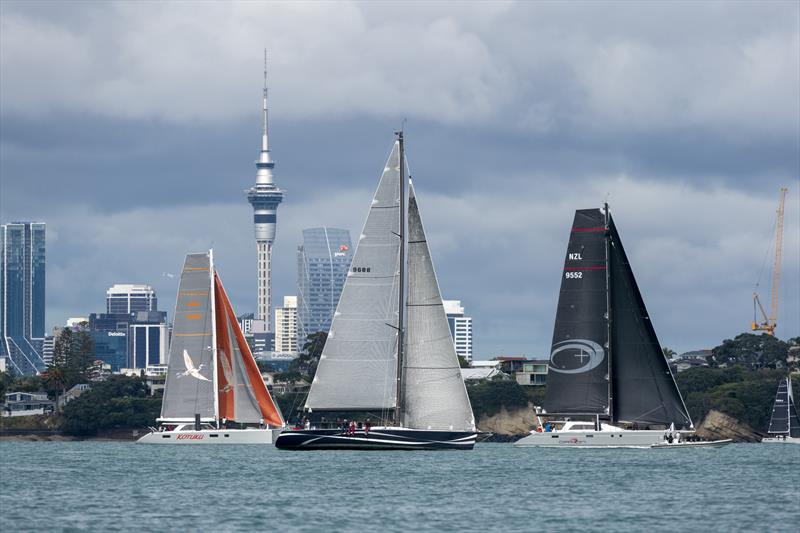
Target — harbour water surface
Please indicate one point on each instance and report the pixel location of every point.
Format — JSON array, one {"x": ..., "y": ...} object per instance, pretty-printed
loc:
[{"x": 119, "y": 486}]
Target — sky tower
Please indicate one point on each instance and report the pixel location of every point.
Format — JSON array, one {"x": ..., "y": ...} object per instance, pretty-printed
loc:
[{"x": 264, "y": 197}]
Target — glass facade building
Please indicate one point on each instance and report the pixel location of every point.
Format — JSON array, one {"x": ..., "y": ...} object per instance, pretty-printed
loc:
[
  {"x": 22, "y": 296},
  {"x": 130, "y": 299},
  {"x": 322, "y": 264},
  {"x": 460, "y": 328},
  {"x": 145, "y": 334},
  {"x": 111, "y": 347}
]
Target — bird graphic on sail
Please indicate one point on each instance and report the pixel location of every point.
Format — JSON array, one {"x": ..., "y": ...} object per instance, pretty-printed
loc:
[{"x": 191, "y": 370}]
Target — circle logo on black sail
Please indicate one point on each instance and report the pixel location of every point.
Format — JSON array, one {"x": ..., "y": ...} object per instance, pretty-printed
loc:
[{"x": 576, "y": 356}]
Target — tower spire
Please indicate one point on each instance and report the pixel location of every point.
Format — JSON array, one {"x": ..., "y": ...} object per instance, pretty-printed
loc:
[
  {"x": 265, "y": 197},
  {"x": 265, "y": 135}
]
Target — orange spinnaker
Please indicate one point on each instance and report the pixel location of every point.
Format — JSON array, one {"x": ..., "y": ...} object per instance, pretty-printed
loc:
[{"x": 267, "y": 406}]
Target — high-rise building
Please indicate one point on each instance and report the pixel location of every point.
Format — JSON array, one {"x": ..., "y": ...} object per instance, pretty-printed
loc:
[
  {"x": 460, "y": 328},
  {"x": 323, "y": 261},
  {"x": 265, "y": 197},
  {"x": 124, "y": 298},
  {"x": 286, "y": 325},
  {"x": 22, "y": 290},
  {"x": 137, "y": 340}
]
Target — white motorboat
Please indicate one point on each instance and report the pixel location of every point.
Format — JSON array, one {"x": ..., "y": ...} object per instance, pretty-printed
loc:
[{"x": 214, "y": 392}]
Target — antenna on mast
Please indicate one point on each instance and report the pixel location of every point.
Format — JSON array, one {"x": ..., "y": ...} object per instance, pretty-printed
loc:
[{"x": 265, "y": 134}]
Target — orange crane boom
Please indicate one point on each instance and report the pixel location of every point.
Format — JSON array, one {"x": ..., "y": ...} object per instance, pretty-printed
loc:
[{"x": 769, "y": 323}]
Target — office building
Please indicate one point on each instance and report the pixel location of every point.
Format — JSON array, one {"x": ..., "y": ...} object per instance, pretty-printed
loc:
[
  {"x": 460, "y": 328},
  {"x": 286, "y": 325},
  {"x": 136, "y": 341},
  {"x": 323, "y": 261},
  {"x": 22, "y": 296},
  {"x": 130, "y": 299},
  {"x": 265, "y": 197}
]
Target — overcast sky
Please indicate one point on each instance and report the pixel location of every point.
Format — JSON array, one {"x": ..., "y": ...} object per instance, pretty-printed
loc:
[{"x": 131, "y": 129}]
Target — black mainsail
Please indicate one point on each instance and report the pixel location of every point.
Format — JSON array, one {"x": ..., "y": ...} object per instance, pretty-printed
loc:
[
  {"x": 577, "y": 380},
  {"x": 784, "y": 419},
  {"x": 605, "y": 358}
]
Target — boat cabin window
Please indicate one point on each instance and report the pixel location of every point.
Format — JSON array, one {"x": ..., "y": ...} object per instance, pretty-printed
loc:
[{"x": 582, "y": 426}]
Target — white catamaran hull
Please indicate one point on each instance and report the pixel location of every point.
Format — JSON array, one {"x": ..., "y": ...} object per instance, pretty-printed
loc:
[
  {"x": 693, "y": 444},
  {"x": 212, "y": 436},
  {"x": 593, "y": 439},
  {"x": 780, "y": 440}
]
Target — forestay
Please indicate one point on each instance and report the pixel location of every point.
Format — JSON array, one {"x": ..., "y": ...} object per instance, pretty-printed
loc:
[
  {"x": 189, "y": 387},
  {"x": 358, "y": 366},
  {"x": 433, "y": 394}
]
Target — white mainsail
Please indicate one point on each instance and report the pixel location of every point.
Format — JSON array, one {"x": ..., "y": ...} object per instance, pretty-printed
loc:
[
  {"x": 358, "y": 366},
  {"x": 433, "y": 393}
]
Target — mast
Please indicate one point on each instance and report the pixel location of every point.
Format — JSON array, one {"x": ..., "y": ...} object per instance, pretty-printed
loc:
[
  {"x": 400, "y": 291},
  {"x": 608, "y": 311},
  {"x": 789, "y": 401},
  {"x": 215, "y": 378}
]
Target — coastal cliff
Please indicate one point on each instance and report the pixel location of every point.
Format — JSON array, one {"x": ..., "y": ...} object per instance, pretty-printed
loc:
[
  {"x": 717, "y": 425},
  {"x": 509, "y": 423}
]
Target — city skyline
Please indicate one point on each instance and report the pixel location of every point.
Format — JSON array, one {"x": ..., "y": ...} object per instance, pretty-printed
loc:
[{"x": 505, "y": 146}]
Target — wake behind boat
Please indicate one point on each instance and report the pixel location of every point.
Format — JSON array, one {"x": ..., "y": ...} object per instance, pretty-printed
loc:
[
  {"x": 214, "y": 393},
  {"x": 608, "y": 380},
  {"x": 784, "y": 426},
  {"x": 389, "y": 349}
]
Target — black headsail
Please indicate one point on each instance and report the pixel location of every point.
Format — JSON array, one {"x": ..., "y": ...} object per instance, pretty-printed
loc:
[
  {"x": 577, "y": 380},
  {"x": 644, "y": 388},
  {"x": 606, "y": 358}
]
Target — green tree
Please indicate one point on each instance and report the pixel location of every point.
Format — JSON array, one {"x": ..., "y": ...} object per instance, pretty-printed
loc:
[
  {"x": 305, "y": 365},
  {"x": 462, "y": 362},
  {"x": 81, "y": 355},
  {"x": 752, "y": 351},
  {"x": 669, "y": 353},
  {"x": 118, "y": 402},
  {"x": 6, "y": 379}
]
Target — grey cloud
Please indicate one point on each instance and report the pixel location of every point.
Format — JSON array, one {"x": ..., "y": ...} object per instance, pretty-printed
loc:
[
  {"x": 501, "y": 254},
  {"x": 545, "y": 66}
]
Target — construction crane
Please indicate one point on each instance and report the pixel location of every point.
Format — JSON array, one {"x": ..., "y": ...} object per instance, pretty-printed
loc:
[{"x": 768, "y": 323}]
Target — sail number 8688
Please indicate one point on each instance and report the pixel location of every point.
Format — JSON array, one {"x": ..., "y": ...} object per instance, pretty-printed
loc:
[{"x": 573, "y": 275}]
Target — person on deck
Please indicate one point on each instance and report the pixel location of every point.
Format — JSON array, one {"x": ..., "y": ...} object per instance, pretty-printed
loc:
[
  {"x": 352, "y": 428},
  {"x": 367, "y": 425}
]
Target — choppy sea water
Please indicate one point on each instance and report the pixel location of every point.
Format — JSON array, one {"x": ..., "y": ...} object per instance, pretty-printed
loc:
[{"x": 119, "y": 486}]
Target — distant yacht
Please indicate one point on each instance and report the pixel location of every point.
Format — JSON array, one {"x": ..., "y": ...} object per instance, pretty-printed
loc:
[
  {"x": 214, "y": 393},
  {"x": 784, "y": 426},
  {"x": 389, "y": 354},
  {"x": 608, "y": 381}
]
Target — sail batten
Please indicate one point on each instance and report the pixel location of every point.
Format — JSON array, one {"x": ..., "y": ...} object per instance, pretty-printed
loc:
[
  {"x": 434, "y": 395},
  {"x": 357, "y": 369}
]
